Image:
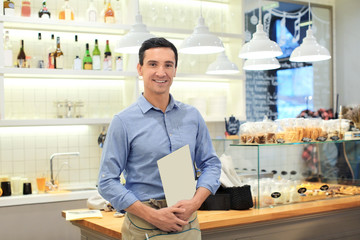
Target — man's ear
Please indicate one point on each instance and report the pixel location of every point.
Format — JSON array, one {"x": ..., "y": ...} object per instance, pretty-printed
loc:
[{"x": 138, "y": 67}]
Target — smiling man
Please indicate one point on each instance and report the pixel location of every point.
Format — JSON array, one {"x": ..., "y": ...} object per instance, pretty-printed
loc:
[{"x": 146, "y": 131}]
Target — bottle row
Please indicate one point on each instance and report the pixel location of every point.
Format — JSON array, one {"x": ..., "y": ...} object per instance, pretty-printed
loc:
[
  {"x": 53, "y": 56},
  {"x": 107, "y": 15}
]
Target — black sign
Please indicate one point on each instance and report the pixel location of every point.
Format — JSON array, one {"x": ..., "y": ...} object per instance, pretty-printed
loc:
[
  {"x": 275, "y": 195},
  {"x": 302, "y": 190},
  {"x": 324, "y": 187}
]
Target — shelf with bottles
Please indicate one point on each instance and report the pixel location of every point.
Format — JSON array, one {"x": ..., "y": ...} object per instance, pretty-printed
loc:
[{"x": 55, "y": 122}]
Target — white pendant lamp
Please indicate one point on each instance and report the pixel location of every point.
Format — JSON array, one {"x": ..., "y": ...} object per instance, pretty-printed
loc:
[
  {"x": 131, "y": 42},
  {"x": 260, "y": 46},
  {"x": 261, "y": 64},
  {"x": 310, "y": 50},
  {"x": 201, "y": 41},
  {"x": 222, "y": 65}
]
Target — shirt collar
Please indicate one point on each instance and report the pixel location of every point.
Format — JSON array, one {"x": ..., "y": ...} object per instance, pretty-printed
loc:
[{"x": 145, "y": 106}]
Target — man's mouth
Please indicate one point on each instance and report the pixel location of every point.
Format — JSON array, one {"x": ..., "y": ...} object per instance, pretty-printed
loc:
[{"x": 160, "y": 81}]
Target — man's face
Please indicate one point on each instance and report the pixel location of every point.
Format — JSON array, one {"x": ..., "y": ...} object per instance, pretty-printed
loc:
[{"x": 157, "y": 71}]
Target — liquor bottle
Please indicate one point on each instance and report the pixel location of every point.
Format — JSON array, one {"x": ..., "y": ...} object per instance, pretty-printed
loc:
[
  {"x": 87, "y": 61},
  {"x": 77, "y": 60},
  {"x": 107, "y": 65},
  {"x": 109, "y": 15},
  {"x": 9, "y": 8},
  {"x": 25, "y": 8},
  {"x": 50, "y": 53},
  {"x": 117, "y": 9},
  {"x": 96, "y": 57},
  {"x": 102, "y": 13},
  {"x": 39, "y": 54},
  {"x": 91, "y": 12},
  {"x": 58, "y": 56},
  {"x": 44, "y": 11},
  {"x": 119, "y": 64},
  {"x": 21, "y": 58},
  {"x": 66, "y": 12},
  {"x": 8, "y": 53}
]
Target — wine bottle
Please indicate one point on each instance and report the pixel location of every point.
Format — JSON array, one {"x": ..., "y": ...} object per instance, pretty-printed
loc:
[
  {"x": 21, "y": 58},
  {"x": 44, "y": 11},
  {"x": 91, "y": 12},
  {"x": 87, "y": 61},
  {"x": 66, "y": 12},
  {"x": 25, "y": 8},
  {"x": 9, "y": 8},
  {"x": 8, "y": 53},
  {"x": 58, "y": 56},
  {"x": 96, "y": 57},
  {"x": 109, "y": 15},
  {"x": 77, "y": 60},
  {"x": 119, "y": 64},
  {"x": 50, "y": 53},
  {"x": 107, "y": 65}
]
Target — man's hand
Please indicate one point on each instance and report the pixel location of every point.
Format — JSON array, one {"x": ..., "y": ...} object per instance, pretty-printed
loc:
[{"x": 166, "y": 219}]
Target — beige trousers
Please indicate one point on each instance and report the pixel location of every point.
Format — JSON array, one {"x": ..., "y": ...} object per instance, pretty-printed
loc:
[{"x": 135, "y": 228}]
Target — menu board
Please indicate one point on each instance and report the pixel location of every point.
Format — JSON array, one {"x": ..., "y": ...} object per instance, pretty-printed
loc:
[{"x": 261, "y": 95}]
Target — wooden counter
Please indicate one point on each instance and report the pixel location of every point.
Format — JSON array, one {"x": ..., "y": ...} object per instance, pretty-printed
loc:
[{"x": 215, "y": 224}]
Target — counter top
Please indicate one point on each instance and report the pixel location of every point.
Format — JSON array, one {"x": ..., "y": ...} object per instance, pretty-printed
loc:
[
  {"x": 111, "y": 226},
  {"x": 45, "y": 198}
]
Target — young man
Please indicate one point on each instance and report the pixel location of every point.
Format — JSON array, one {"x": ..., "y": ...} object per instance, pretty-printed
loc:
[{"x": 148, "y": 130}]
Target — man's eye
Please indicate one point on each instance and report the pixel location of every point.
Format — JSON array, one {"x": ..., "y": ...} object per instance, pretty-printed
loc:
[{"x": 169, "y": 65}]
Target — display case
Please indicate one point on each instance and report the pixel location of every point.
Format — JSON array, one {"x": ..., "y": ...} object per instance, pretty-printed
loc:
[{"x": 295, "y": 172}]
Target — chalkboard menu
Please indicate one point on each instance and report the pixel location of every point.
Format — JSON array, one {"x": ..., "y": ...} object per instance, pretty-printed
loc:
[{"x": 261, "y": 95}]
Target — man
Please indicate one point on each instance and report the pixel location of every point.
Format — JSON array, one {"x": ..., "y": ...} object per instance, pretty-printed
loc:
[{"x": 146, "y": 131}]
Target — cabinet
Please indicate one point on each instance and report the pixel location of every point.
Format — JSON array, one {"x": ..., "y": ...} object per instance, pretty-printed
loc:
[
  {"x": 29, "y": 126},
  {"x": 297, "y": 172}
]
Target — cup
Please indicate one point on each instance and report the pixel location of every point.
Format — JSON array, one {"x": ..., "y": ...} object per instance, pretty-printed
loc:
[
  {"x": 40, "y": 182},
  {"x": 16, "y": 185},
  {"x": 27, "y": 188},
  {"x": 6, "y": 188}
]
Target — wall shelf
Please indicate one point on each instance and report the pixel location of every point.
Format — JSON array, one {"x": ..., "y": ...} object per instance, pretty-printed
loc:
[{"x": 54, "y": 122}]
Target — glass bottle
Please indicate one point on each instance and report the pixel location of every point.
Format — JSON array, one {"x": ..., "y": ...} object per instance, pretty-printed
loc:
[
  {"x": 109, "y": 15},
  {"x": 44, "y": 11},
  {"x": 38, "y": 59},
  {"x": 25, "y": 8},
  {"x": 107, "y": 64},
  {"x": 8, "y": 53},
  {"x": 117, "y": 9},
  {"x": 119, "y": 63},
  {"x": 91, "y": 12},
  {"x": 9, "y": 8},
  {"x": 21, "y": 58},
  {"x": 87, "y": 61},
  {"x": 50, "y": 53},
  {"x": 58, "y": 56},
  {"x": 77, "y": 60},
  {"x": 96, "y": 57},
  {"x": 66, "y": 12}
]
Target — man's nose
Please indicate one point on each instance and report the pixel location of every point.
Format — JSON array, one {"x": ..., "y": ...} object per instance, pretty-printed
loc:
[{"x": 161, "y": 71}]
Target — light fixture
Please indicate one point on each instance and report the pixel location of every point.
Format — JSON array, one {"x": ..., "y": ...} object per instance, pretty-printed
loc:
[
  {"x": 261, "y": 64},
  {"x": 222, "y": 65},
  {"x": 131, "y": 42},
  {"x": 201, "y": 41},
  {"x": 310, "y": 50},
  {"x": 260, "y": 46}
]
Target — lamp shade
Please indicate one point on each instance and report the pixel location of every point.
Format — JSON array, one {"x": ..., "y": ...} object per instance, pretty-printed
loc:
[
  {"x": 261, "y": 64},
  {"x": 201, "y": 41},
  {"x": 310, "y": 50},
  {"x": 131, "y": 42},
  {"x": 222, "y": 65},
  {"x": 260, "y": 46}
]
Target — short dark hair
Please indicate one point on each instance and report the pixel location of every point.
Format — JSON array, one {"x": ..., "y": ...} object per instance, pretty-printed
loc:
[{"x": 155, "y": 43}]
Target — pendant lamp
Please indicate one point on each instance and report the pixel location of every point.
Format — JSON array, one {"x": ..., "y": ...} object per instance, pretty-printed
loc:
[
  {"x": 261, "y": 64},
  {"x": 310, "y": 50},
  {"x": 222, "y": 65},
  {"x": 201, "y": 41},
  {"x": 260, "y": 46},
  {"x": 131, "y": 42}
]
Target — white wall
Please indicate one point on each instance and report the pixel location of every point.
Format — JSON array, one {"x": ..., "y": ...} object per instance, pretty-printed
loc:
[{"x": 347, "y": 34}]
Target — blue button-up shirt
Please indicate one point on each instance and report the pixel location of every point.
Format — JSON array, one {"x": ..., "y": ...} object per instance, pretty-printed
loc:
[{"x": 142, "y": 134}]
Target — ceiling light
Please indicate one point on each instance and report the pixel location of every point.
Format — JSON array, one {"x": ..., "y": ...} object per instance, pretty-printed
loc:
[
  {"x": 131, "y": 42},
  {"x": 310, "y": 50},
  {"x": 261, "y": 64},
  {"x": 222, "y": 65},
  {"x": 201, "y": 41}
]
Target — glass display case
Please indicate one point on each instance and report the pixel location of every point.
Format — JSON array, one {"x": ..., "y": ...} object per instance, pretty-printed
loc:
[{"x": 295, "y": 172}]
